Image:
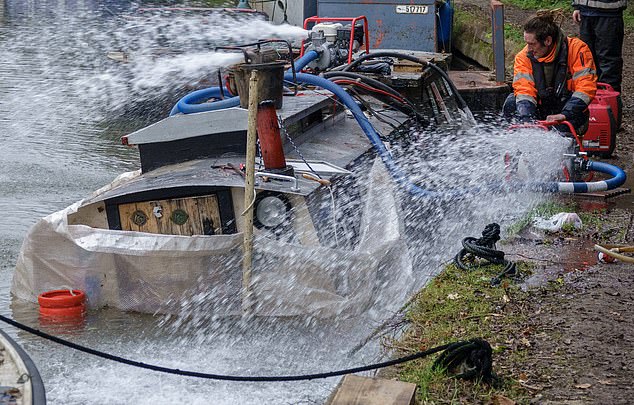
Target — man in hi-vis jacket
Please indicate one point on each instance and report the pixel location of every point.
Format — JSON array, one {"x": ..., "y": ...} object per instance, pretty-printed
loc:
[
  {"x": 554, "y": 77},
  {"x": 601, "y": 27}
]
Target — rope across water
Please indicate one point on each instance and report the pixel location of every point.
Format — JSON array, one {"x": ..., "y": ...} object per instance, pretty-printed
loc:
[{"x": 475, "y": 352}]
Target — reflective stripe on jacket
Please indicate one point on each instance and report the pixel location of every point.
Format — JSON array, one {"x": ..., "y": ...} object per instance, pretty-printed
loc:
[
  {"x": 581, "y": 79},
  {"x": 606, "y": 5}
]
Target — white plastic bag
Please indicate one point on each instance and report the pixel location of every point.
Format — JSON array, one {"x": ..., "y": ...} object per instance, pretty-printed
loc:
[{"x": 557, "y": 221}]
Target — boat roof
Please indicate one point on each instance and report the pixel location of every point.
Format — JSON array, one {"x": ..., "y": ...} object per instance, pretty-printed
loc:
[{"x": 332, "y": 146}]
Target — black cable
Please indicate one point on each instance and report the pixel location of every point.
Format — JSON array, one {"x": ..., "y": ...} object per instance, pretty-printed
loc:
[
  {"x": 382, "y": 54},
  {"x": 372, "y": 82},
  {"x": 484, "y": 248},
  {"x": 454, "y": 346},
  {"x": 368, "y": 80},
  {"x": 406, "y": 107}
]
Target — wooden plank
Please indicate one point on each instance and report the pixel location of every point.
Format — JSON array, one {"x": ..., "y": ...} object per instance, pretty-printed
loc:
[
  {"x": 356, "y": 390},
  {"x": 605, "y": 194},
  {"x": 405, "y": 65},
  {"x": 128, "y": 212},
  {"x": 209, "y": 213},
  {"x": 203, "y": 214}
]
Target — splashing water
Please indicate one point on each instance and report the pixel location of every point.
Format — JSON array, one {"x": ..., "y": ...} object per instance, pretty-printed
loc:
[
  {"x": 57, "y": 88},
  {"x": 166, "y": 54}
]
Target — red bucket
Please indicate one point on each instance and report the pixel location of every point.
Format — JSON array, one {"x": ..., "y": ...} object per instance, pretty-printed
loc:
[{"x": 62, "y": 303}]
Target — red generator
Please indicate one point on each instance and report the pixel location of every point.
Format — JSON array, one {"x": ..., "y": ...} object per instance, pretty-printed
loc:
[{"x": 605, "y": 120}]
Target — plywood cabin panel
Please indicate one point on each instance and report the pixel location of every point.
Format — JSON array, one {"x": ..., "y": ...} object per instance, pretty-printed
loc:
[
  {"x": 210, "y": 215},
  {"x": 93, "y": 215},
  {"x": 203, "y": 216},
  {"x": 128, "y": 212}
]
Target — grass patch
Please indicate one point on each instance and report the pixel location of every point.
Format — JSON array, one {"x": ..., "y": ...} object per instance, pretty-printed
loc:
[
  {"x": 628, "y": 13},
  {"x": 513, "y": 33},
  {"x": 464, "y": 17},
  {"x": 597, "y": 224},
  {"x": 540, "y": 4},
  {"x": 460, "y": 305},
  {"x": 628, "y": 17}
]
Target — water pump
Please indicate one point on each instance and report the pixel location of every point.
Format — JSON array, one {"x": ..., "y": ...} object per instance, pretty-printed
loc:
[{"x": 334, "y": 41}]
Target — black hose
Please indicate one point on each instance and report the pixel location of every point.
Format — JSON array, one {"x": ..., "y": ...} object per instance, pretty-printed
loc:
[
  {"x": 474, "y": 358},
  {"x": 484, "y": 248},
  {"x": 464, "y": 349},
  {"x": 409, "y": 105},
  {"x": 405, "y": 107},
  {"x": 390, "y": 54}
]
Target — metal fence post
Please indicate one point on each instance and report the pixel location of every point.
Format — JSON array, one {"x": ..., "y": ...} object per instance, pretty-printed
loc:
[{"x": 497, "y": 21}]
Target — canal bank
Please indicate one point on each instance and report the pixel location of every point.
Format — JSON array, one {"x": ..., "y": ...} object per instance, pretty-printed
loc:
[{"x": 563, "y": 333}]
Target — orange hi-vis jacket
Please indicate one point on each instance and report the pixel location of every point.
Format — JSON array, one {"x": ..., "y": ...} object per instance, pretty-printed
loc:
[{"x": 572, "y": 87}]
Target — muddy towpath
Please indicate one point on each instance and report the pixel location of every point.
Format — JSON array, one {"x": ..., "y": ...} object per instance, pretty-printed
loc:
[
  {"x": 565, "y": 334},
  {"x": 580, "y": 326}
]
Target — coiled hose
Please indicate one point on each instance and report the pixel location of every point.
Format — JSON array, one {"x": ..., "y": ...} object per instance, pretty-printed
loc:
[
  {"x": 484, "y": 248},
  {"x": 192, "y": 103}
]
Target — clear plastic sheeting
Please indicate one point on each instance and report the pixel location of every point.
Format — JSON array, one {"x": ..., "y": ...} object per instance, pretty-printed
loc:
[{"x": 156, "y": 273}]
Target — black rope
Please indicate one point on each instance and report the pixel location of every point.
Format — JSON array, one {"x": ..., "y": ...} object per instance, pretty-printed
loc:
[
  {"x": 484, "y": 248},
  {"x": 464, "y": 348}
]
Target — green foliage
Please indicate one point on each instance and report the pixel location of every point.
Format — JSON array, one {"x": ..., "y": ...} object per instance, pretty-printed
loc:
[
  {"x": 541, "y": 4},
  {"x": 628, "y": 14},
  {"x": 628, "y": 17},
  {"x": 513, "y": 33}
]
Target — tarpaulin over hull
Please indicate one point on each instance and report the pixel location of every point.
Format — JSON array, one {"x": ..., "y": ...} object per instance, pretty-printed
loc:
[{"x": 162, "y": 273}]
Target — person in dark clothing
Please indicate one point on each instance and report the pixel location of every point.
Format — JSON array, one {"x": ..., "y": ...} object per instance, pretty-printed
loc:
[
  {"x": 554, "y": 77},
  {"x": 601, "y": 27}
]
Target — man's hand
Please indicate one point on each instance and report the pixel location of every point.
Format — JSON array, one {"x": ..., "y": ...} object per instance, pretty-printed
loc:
[
  {"x": 576, "y": 16},
  {"x": 556, "y": 118}
]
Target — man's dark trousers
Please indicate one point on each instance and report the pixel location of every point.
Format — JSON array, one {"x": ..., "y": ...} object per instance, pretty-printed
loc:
[{"x": 604, "y": 36}]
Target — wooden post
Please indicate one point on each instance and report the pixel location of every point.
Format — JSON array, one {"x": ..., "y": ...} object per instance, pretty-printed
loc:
[{"x": 249, "y": 192}]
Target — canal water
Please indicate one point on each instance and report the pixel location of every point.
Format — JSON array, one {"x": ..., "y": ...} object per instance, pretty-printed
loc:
[{"x": 63, "y": 106}]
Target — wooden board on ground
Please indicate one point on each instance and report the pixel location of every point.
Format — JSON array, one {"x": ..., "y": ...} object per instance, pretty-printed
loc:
[
  {"x": 605, "y": 194},
  {"x": 356, "y": 390}
]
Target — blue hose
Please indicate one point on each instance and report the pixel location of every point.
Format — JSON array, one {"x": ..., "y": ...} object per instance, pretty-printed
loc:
[
  {"x": 190, "y": 103},
  {"x": 304, "y": 60},
  {"x": 617, "y": 180},
  {"x": 399, "y": 176},
  {"x": 193, "y": 102}
]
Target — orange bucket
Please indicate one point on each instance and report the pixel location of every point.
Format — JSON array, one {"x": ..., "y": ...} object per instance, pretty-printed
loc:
[{"x": 62, "y": 303}]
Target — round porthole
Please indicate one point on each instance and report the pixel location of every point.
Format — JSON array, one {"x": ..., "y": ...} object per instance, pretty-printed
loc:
[
  {"x": 139, "y": 218},
  {"x": 179, "y": 217},
  {"x": 271, "y": 210}
]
